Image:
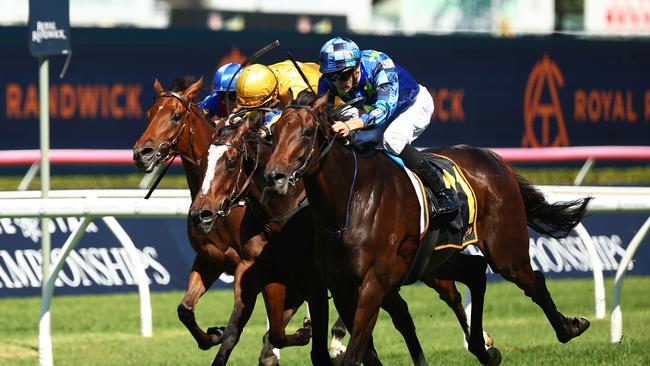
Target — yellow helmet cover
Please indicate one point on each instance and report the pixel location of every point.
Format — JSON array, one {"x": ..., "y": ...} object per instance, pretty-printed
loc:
[{"x": 256, "y": 85}]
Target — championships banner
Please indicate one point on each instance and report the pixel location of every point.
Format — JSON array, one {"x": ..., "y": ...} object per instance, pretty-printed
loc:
[{"x": 100, "y": 265}]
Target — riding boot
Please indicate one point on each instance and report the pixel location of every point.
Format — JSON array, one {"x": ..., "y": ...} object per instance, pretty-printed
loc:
[{"x": 448, "y": 204}]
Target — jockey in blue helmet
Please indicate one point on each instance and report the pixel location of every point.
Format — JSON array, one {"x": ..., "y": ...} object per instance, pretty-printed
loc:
[
  {"x": 215, "y": 103},
  {"x": 398, "y": 108}
]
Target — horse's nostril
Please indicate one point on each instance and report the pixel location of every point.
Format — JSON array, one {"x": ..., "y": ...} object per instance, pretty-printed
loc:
[
  {"x": 146, "y": 152},
  {"x": 279, "y": 177},
  {"x": 206, "y": 215}
]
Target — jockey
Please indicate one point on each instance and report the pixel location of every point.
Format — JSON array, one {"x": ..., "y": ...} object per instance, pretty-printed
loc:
[
  {"x": 262, "y": 86},
  {"x": 214, "y": 105},
  {"x": 398, "y": 108}
]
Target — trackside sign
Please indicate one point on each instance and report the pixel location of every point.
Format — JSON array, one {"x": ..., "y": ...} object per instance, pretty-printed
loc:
[{"x": 49, "y": 27}]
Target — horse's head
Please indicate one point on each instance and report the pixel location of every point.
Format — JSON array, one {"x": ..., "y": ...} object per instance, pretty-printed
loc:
[
  {"x": 297, "y": 139},
  {"x": 167, "y": 119},
  {"x": 231, "y": 159}
]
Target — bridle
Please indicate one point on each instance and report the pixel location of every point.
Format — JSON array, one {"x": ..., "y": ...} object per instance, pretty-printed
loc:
[
  {"x": 236, "y": 195},
  {"x": 170, "y": 146},
  {"x": 330, "y": 139},
  {"x": 298, "y": 173}
]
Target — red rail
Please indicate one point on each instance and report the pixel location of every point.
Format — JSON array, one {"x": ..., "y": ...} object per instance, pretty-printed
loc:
[{"x": 123, "y": 157}]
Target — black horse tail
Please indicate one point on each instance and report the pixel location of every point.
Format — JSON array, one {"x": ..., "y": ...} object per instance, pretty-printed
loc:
[{"x": 555, "y": 220}]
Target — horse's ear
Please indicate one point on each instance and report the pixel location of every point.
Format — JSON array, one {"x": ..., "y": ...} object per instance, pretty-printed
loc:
[
  {"x": 320, "y": 103},
  {"x": 157, "y": 87},
  {"x": 193, "y": 89}
]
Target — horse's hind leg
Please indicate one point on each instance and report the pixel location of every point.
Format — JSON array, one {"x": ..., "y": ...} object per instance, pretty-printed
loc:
[
  {"x": 449, "y": 294},
  {"x": 534, "y": 286},
  {"x": 470, "y": 270},
  {"x": 509, "y": 256},
  {"x": 398, "y": 310},
  {"x": 202, "y": 276},
  {"x": 336, "y": 344}
]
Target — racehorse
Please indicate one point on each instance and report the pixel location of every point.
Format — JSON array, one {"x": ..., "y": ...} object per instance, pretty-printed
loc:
[
  {"x": 283, "y": 249},
  {"x": 176, "y": 127},
  {"x": 367, "y": 216}
]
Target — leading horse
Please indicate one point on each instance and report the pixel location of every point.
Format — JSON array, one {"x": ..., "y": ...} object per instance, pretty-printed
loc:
[
  {"x": 176, "y": 127},
  {"x": 283, "y": 251},
  {"x": 368, "y": 219}
]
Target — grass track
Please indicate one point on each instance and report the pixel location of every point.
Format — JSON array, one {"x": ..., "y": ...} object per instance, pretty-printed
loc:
[{"x": 104, "y": 330}]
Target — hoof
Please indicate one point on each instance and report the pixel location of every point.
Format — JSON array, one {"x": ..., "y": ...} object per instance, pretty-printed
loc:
[
  {"x": 495, "y": 357},
  {"x": 216, "y": 334},
  {"x": 338, "y": 359},
  {"x": 336, "y": 350},
  {"x": 269, "y": 361},
  {"x": 303, "y": 336},
  {"x": 573, "y": 328}
]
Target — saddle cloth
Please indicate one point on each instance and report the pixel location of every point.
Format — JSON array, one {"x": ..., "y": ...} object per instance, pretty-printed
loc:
[{"x": 461, "y": 231}]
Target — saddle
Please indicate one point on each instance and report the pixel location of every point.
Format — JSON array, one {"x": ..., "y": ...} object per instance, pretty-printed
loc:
[{"x": 448, "y": 234}]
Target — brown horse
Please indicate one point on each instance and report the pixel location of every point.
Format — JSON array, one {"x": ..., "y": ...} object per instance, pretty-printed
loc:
[
  {"x": 283, "y": 249},
  {"x": 176, "y": 127},
  {"x": 367, "y": 216}
]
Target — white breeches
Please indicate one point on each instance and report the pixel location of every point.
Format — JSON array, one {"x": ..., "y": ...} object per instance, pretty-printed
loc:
[{"x": 409, "y": 124}]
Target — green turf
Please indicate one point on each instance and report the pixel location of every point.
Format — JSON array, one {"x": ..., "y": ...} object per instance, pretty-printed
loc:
[{"x": 104, "y": 330}]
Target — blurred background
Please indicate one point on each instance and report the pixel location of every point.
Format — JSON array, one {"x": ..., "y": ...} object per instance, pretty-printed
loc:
[
  {"x": 503, "y": 74},
  {"x": 516, "y": 74},
  {"x": 397, "y": 17}
]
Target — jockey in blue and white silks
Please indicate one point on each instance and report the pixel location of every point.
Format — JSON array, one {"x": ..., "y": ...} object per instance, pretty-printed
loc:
[
  {"x": 397, "y": 108},
  {"x": 214, "y": 105}
]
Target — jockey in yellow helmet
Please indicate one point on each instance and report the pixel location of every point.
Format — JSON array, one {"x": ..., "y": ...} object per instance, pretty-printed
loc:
[{"x": 264, "y": 86}]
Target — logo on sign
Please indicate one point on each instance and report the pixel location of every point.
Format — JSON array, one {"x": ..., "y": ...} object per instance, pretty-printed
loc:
[
  {"x": 47, "y": 30},
  {"x": 543, "y": 120}
]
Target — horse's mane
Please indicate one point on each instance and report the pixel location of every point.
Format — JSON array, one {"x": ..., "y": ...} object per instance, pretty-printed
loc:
[
  {"x": 332, "y": 113},
  {"x": 180, "y": 83}
]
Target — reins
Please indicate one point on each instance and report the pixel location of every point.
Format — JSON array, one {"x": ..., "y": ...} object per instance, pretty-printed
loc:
[
  {"x": 233, "y": 198},
  {"x": 298, "y": 173}
]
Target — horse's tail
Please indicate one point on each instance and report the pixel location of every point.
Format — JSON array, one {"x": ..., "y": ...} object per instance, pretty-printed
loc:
[{"x": 557, "y": 219}]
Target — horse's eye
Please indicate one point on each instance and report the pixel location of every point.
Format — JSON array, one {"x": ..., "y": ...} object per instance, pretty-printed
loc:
[
  {"x": 307, "y": 131},
  {"x": 230, "y": 165},
  {"x": 176, "y": 117}
]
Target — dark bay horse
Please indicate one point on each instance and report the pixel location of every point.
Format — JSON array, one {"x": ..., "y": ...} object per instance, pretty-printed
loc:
[
  {"x": 283, "y": 249},
  {"x": 176, "y": 127},
  {"x": 368, "y": 223}
]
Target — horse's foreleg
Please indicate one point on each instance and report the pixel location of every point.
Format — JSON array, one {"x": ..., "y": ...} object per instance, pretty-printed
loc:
[
  {"x": 274, "y": 298},
  {"x": 398, "y": 310},
  {"x": 201, "y": 277},
  {"x": 345, "y": 305},
  {"x": 247, "y": 285},
  {"x": 319, "y": 313},
  {"x": 371, "y": 296}
]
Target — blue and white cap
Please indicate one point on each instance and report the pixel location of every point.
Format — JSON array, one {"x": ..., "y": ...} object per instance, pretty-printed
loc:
[
  {"x": 338, "y": 54},
  {"x": 223, "y": 75}
]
